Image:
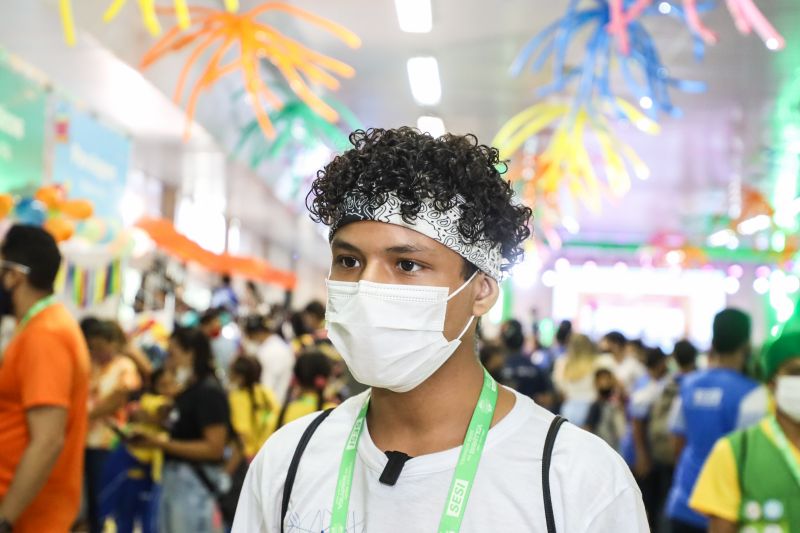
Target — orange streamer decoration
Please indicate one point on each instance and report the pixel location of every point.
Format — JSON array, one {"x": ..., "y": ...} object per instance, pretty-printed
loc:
[
  {"x": 298, "y": 64},
  {"x": 166, "y": 237}
]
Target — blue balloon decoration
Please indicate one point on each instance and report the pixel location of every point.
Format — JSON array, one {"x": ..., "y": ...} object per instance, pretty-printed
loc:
[
  {"x": 642, "y": 71},
  {"x": 30, "y": 211}
]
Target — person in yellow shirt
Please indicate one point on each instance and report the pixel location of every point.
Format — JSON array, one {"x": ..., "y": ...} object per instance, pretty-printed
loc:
[
  {"x": 254, "y": 409},
  {"x": 751, "y": 480},
  {"x": 312, "y": 375}
]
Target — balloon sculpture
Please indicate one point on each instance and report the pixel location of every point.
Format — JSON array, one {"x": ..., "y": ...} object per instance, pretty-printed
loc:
[
  {"x": 148, "y": 11},
  {"x": 48, "y": 208},
  {"x": 566, "y": 160},
  {"x": 297, "y": 124},
  {"x": 593, "y": 76},
  {"x": 256, "y": 41}
]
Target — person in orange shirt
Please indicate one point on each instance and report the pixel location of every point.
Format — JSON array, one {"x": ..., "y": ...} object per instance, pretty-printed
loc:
[{"x": 44, "y": 389}]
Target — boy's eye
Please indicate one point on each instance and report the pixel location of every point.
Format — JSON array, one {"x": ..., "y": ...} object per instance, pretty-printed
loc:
[
  {"x": 348, "y": 262},
  {"x": 408, "y": 266}
]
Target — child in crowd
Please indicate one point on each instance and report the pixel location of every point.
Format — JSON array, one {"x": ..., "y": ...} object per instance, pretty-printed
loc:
[
  {"x": 132, "y": 476},
  {"x": 312, "y": 374},
  {"x": 254, "y": 409},
  {"x": 606, "y": 417}
]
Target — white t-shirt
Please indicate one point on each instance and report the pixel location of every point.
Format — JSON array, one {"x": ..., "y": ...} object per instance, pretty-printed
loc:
[
  {"x": 277, "y": 362},
  {"x": 592, "y": 488}
]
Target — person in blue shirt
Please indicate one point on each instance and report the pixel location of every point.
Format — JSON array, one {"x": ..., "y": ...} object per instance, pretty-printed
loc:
[
  {"x": 519, "y": 372},
  {"x": 711, "y": 404}
]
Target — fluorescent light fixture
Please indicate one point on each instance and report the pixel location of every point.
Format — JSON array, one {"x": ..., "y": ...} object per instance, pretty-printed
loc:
[
  {"x": 423, "y": 76},
  {"x": 755, "y": 224},
  {"x": 414, "y": 16},
  {"x": 432, "y": 125}
]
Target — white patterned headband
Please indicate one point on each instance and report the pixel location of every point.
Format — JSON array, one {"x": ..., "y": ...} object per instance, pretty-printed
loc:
[{"x": 439, "y": 226}]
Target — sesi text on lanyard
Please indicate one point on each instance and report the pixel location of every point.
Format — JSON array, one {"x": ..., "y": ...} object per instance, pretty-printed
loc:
[
  {"x": 785, "y": 448},
  {"x": 35, "y": 309},
  {"x": 463, "y": 477}
]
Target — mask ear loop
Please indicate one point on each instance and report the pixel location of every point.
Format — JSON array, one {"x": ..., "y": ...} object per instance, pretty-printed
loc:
[
  {"x": 462, "y": 287},
  {"x": 472, "y": 317}
]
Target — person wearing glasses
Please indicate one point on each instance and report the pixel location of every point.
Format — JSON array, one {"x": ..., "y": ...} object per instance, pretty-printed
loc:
[
  {"x": 422, "y": 231},
  {"x": 44, "y": 389}
]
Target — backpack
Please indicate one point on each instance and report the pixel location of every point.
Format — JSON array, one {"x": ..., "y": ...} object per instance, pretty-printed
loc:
[{"x": 659, "y": 435}]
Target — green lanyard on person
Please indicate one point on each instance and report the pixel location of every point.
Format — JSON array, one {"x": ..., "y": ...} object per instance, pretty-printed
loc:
[
  {"x": 464, "y": 475},
  {"x": 785, "y": 448},
  {"x": 35, "y": 309}
]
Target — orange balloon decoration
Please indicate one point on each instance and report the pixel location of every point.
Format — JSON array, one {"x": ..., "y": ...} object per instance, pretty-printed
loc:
[
  {"x": 6, "y": 204},
  {"x": 296, "y": 62},
  {"x": 60, "y": 228},
  {"x": 78, "y": 209},
  {"x": 52, "y": 196}
]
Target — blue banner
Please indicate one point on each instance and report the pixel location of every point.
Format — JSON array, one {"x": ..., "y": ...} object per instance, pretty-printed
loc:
[{"x": 91, "y": 159}]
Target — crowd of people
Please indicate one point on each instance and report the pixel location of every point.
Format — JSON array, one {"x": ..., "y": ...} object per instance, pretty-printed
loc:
[
  {"x": 681, "y": 420},
  {"x": 175, "y": 436}
]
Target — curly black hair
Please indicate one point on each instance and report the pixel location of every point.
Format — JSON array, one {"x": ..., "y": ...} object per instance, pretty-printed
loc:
[{"x": 449, "y": 170}]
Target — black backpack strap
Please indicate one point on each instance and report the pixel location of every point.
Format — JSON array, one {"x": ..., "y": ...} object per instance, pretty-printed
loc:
[
  {"x": 298, "y": 453},
  {"x": 547, "y": 455}
]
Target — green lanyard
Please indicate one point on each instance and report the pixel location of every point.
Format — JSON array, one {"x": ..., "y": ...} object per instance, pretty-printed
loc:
[
  {"x": 463, "y": 477},
  {"x": 35, "y": 309},
  {"x": 785, "y": 448}
]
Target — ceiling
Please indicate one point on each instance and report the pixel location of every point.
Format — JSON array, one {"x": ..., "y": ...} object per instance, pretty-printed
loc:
[{"x": 692, "y": 161}]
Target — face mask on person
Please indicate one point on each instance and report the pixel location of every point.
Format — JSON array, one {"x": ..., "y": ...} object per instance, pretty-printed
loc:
[
  {"x": 787, "y": 396},
  {"x": 6, "y": 300},
  {"x": 605, "y": 393},
  {"x": 182, "y": 375},
  {"x": 391, "y": 336},
  {"x": 250, "y": 346}
]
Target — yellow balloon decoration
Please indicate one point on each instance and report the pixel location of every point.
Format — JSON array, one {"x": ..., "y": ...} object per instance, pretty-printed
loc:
[
  {"x": 301, "y": 66},
  {"x": 148, "y": 12},
  {"x": 566, "y": 161}
]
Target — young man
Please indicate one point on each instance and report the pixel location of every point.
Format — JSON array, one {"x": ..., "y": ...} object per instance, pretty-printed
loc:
[
  {"x": 712, "y": 403},
  {"x": 421, "y": 231},
  {"x": 44, "y": 389},
  {"x": 751, "y": 480}
]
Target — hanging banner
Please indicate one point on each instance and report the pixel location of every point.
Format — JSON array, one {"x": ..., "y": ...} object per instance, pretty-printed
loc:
[
  {"x": 91, "y": 159},
  {"x": 22, "y": 126}
]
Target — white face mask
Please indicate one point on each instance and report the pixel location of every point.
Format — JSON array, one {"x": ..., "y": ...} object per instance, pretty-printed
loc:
[
  {"x": 391, "y": 336},
  {"x": 182, "y": 375},
  {"x": 250, "y": 347},
  {"x": 787, "y": 396}
]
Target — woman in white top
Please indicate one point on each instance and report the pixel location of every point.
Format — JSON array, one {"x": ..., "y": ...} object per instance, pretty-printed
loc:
[{"x": 573, "y": 376}]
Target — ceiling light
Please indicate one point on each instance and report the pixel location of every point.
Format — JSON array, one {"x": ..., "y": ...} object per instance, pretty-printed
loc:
[
  {"x": 646, "y": 102},
  {"x": 432, "y": 125},
  {"x": 414, "y": 16},
  {"x": 423, "y": 76},
  {"x": 773, "y": 43},
  {"x": 664, "y": 8}
]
